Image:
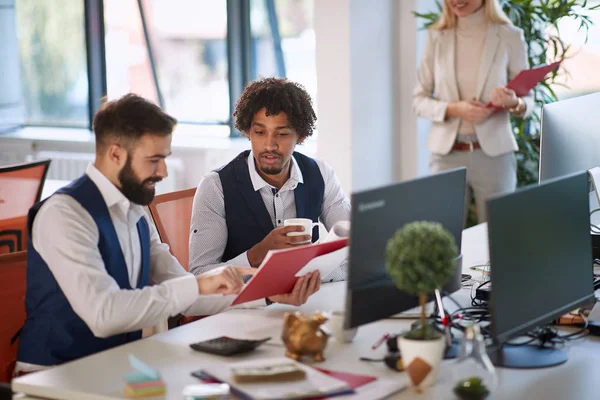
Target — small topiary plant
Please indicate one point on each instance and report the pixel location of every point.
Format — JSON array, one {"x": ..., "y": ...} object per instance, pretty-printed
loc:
[{"x": 420, "y": 258}]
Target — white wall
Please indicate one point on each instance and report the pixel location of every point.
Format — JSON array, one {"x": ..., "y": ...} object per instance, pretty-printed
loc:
[
  {"x": 373, "y": 73},
  {"x": 332, "y": 31},
  {"x": 407, "y": 145},
  {"x": 367, "y": 55},
  {"x": 423, "y": 125},
  {"x": 356, "y": 76}
]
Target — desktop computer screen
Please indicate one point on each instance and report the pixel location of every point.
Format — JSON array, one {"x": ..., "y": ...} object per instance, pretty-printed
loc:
[
  {"x": 570, "y": 136},
  {"x": 569, "y": 143},
  {"x": 376, "y": 215},
  {"x": 541, "y": 259}
]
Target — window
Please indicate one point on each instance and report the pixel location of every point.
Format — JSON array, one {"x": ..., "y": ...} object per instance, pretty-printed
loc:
[
  {"x": 584, "y": 58},
  {"x": 188, "y": 44},
  {"x": 128, "y": 67},
  {"x": 176, "y": 53},
  {"x": 53, "y": 62},
  {"x": 283, "y": 40}
]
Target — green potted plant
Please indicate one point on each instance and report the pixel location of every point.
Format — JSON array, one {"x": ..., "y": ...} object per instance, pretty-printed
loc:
[{"x": 420, "y": 258}]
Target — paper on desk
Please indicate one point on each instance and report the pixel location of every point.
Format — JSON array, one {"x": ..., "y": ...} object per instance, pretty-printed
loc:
[
  {"x": 339, "y": 230},
  {"x": 316, "y": 383},
  {"x": 142, "y": 372},
  {"x": 327, "y": 263}
]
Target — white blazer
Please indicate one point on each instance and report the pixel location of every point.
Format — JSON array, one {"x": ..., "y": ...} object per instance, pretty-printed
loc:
[{"x": 504, "y": 56}]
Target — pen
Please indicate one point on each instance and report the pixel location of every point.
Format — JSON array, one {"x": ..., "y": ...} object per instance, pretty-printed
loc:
[
  {"x": 445, "y": 321},
  {"x": 380, "y": 341}
]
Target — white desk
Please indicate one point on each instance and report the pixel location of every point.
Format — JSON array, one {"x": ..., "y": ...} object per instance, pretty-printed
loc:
[{"x": 100, "y": 376}]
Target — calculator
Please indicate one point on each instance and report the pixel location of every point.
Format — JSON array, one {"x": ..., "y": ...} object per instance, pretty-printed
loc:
[{"x": 227, "y": 346}]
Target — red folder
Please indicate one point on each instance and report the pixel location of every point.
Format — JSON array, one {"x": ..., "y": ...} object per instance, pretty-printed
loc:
[
  {"x": 353, "y": 380},
  {"x": 527, "y": 79},
  {"x": 276, "y": 275}
]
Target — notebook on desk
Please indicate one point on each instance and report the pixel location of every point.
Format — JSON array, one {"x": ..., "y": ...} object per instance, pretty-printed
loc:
[{"x": 316, "y": 385}]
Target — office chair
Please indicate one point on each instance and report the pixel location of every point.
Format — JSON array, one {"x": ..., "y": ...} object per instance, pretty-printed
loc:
[
  {"x": 13, "y": 234},
  {"x": 21, "y": 187},
  {"x": 12, "y": 309},
  {"x": 172, "y": 215}
]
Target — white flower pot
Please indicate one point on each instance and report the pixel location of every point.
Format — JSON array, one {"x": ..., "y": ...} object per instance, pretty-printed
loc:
[{"x": 421, "y": 359}]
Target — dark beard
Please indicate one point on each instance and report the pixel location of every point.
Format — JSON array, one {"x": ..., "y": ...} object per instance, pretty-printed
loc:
[
  {"x": 272, "y": 171},
  {"x": 133, "y": 189}
]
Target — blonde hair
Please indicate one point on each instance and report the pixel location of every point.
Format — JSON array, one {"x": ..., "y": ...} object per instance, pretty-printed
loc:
[{"x": 493, "y": 14}]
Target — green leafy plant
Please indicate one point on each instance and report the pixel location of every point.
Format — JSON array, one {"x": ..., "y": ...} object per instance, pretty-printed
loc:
[
  {"x": 471, "y": 389},
  {"x": 539, "y": 20},
  {"x": 420, "y": 258}
]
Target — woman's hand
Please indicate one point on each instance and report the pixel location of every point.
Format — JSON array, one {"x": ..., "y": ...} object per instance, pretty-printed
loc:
[
  {"x": 472, "y": 111},
  {"x": 503, "y": 97}
]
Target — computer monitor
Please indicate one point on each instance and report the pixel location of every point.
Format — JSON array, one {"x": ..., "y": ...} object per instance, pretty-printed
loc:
[
  {"x": 569, "y": 143},
  {"x": 376, "y": 215},
  {"x": 541, "y": 258},
  {"x": 570, "y": 136}
]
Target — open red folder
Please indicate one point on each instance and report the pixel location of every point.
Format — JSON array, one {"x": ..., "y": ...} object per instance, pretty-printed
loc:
[
  {"x": 353, "y": 380},
  {"x": 527, "y": 79},
  {"x": 277, "y": 273}
]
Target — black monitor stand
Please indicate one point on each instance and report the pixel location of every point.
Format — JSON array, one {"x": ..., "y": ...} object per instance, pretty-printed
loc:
[{"x": 526, "y": 356}]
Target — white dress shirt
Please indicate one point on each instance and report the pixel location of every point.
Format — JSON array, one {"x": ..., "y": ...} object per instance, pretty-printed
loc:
[
  {"x": 208, "y": 236},
  {"x": 66, "y": 237}
]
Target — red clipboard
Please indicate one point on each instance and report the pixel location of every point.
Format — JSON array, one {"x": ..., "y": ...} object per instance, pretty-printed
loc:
[
  {"x": 527, "y": 79},
  {"x": 277, "y": 273}
]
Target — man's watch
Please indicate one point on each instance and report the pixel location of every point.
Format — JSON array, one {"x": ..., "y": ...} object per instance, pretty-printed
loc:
[{"x": 519, "y": 108}]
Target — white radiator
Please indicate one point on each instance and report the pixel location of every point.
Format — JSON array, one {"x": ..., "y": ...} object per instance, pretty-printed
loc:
[
  {"x": 70, "y": 166},
  {"x": 66, "y": 166}
]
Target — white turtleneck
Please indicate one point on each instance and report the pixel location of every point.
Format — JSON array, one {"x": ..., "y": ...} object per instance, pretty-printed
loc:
[{"x": 471, "y": 32}]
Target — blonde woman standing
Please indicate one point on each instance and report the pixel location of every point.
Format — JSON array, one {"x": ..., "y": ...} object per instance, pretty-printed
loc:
[{"x": 470, "y": 55}]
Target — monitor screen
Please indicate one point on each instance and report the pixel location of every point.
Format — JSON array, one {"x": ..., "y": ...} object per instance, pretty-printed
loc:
[
  {"x": 376, "y": 215},
  {"x": 570, "y": 136},
  {"x": 540, "y": 254}
]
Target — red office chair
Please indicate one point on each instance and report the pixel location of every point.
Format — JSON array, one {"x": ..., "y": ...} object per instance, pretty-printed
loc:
[
  {"x": 172, "y": 214},
  {"x": 21, "y": 187},
  {"x": 12, "y": 308},
  {"x": 13, "y": 234}
]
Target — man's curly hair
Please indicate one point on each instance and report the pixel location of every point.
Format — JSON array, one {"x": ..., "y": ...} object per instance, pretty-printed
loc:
[{"x": 276, "y": 95}]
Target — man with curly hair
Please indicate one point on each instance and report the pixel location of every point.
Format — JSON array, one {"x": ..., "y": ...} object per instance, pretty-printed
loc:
[{"x": 239, "y": 210}]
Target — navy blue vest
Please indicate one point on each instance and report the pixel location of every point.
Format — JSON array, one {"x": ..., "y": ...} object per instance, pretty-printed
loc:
[
  {"x": 53, "y": 333},
  {"x": 247, "y": 218}
]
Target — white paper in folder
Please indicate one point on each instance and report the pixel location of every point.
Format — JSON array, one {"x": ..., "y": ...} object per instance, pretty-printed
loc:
[{"x": 327, "y": 263}]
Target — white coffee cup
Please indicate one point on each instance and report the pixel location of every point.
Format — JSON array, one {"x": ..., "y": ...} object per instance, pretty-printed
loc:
[
  {"x": 304, "y": 222},
  {"x": 336, "y": 326}
]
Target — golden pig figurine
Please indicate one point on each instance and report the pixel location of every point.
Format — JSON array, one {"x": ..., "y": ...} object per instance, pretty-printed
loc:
[{"x": 303, "y": 335}]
